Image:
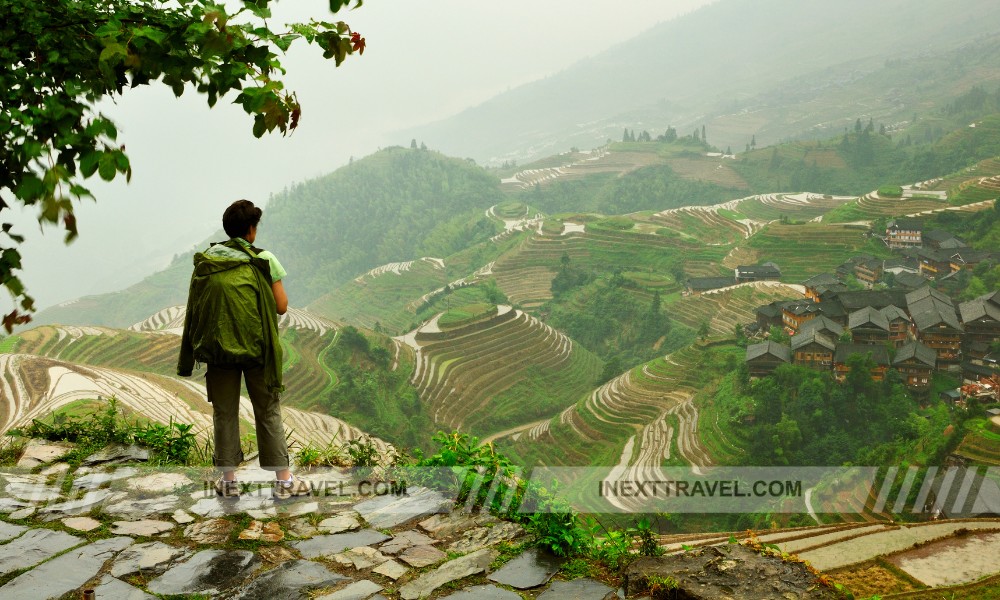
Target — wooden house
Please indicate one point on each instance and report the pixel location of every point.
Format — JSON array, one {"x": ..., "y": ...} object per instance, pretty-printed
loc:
[
  {"x": 915, "y": 363},
  {"x": 936, "y": 324},
  {"x": 878, "y": 354},
  {"x": 765, "y": 272},
  {"x": 981, "y": 318},
  {"x": 899, "y": 324},
  {"x": 813, "y": 349},
  {"x": 903, "y": 233},
  {"x": 868, "y": 326},
  {"x": 762, "y": 359}
]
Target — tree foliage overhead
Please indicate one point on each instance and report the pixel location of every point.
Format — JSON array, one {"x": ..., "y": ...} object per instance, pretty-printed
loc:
[{"x": 59, "y": 58}]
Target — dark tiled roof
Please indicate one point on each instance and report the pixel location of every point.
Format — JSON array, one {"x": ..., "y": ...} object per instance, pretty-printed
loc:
[
  {"x": 822, "y": 323},
  {"x": 867, "y": 316},
  {"x": 894, "y": 313},
  {"x": 879, "y": 354},
  {"x": 918, "y": 351},
  {"x": 779, "y": 351},
  {"x": 938, "y": 235},
  {"x": 821, "y": 279},
  {"x": 909, "y": 280},
  {"x": 765, "y": 270},
  {"x": 833, "y": 287},
  {"x": 903, "y": 262},
  {"x": 906, "y": 224},
  {"x": 930, "y": 311},
  {"x": 803, "y": 307},
  {"x": 710, "y": 283},
  {"x": 804, "y": 339},
  {"x": 971, "y": 256},
  {"x": 928, "y": 292},
  {"x": 852, "y": 301},
  {"x": 977, "y": 309}
]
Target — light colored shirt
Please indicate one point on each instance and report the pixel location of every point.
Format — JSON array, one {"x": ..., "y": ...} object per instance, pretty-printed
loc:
[{"x": 277, "y": 271}]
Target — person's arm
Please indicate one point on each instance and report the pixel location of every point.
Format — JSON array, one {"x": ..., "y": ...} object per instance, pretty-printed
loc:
[{"x": 280, "y": 298}]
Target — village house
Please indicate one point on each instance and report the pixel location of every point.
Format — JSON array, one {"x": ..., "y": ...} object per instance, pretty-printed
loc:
[
  {"x": 765, "y": 272},
  {"x": 762, "y": 359},
  {"x": 878, "y": 354},
  {"x": 908, "y": 281},
  {"x": 968, "y": 258},
  {"x": 868, "y": 271},
  {"x": 820, "y": 283},
  {"x": 697, "y": 285},
  {"x": 981, "y": 319},
  {"x": 915, "y": 363},
  {"x": 903, "y": 233},
  {"x": 824, "y": 325},
  {"x": 813, "y": 350},
  {"x": 936, "y": 324},
  {"x": 769, "y": 315},
  {"x": 794, "y": 314},
  {"x": 899, "y": 324},
  {"x": 868, "y": 326},
  {"x": 901, "y": 264},
  {"x": 939, "y": 239},
  {"x": 934, "y": 264}
]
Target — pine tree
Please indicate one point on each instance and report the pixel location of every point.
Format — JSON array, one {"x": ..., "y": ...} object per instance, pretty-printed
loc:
[{"x": 704, "y": 138}]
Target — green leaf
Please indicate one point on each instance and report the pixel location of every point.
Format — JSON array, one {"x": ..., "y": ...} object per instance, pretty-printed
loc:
[
  {"x": 88, "y": 162},
  {"x": 121, "y": 161},
  {"x": 259, "y": 127},
  {"x": 106, "y": 166},
  {"x": 113, "y": 51},
  {"x": 30, "y": 189},
  {"x": 151, "y": 33}
]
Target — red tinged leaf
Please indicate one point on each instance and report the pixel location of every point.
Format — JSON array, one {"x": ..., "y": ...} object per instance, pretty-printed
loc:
[{"x": 358, "y": 43}]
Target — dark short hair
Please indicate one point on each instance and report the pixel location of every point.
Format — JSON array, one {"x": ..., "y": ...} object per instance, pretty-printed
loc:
[{"x": 240, "y": 217}]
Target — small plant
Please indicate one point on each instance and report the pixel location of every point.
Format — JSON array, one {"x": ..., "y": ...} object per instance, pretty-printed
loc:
[
  {"x": 662, "y": 587},
  {"x": 10, "y": 450},
  {"x": 362, "y": 452},
  {"x": 310, "y": 456}
]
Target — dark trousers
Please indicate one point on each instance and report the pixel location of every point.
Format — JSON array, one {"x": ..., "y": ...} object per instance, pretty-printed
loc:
[{"x": 223, "y": 386}]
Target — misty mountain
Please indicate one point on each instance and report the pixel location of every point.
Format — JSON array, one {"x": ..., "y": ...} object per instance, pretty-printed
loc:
[
  {"x": 395, "y": 205},
  {"x": 714, "y": 62}
]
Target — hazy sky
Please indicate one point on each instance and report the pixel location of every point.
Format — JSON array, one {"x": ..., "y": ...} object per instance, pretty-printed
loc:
[{"x": 424, "y": 61}]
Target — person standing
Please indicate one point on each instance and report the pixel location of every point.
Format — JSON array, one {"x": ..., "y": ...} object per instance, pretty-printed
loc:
[{"x": 231, "y": 325}]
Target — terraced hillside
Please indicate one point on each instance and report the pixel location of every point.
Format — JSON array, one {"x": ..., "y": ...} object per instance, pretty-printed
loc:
[
  {"x": 497, "y": 371},
  {"x": 34, "y": 387},
  {"x": 796, "y": 207},
  {"x": 383, "y": 295},
  {"x": 725, "y": 308},
  {"x": 804, "y": 250}
]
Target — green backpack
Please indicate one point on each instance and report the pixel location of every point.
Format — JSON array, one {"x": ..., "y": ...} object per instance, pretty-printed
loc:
[{"x": 231, "y": 319}]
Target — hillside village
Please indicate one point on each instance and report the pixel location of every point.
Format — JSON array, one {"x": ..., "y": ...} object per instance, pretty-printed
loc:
[
  {"x": 659, "y": 313},
  {"x": 904, "y": 324}
]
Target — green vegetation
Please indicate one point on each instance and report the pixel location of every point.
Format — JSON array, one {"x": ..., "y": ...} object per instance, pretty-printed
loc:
[
  {"x": 463, "y": 315},
  {"x": 802, "y": 417},
  {"x": 368, "y": 393},
  {"x": 890, "y": 191},
  {"x": 171, "y": 444}
]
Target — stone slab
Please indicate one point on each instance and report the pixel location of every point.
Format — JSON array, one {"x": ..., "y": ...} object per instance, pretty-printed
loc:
[
  {"x": 147, "y": 558},
  {"x": 24, "y": 513},
  {"x": 403, "y": 540},
  {"x": 81, "y": 505},
  {"x": 140, "y": 509},
  {"x": 359, "y": 590},
  {"x": 384, "y": 512},
  {"x": 116, "y": 454},
  {"x": 81, "y": 523},
  {"x": 290, "y": 580},
  {"x": 214, "y": 506},
  {"x": 445, "y": 525},
  {"x": 92, "y": 481},
  {"x": 348, "y": 521},
  {"x": 213, "y": 531},
  {"x": 182, "y": 517},
  {"x": 362, "y": 557},
  {"x": 64, "y": 573},
  {"x": 484, "y": 592},
  {"x": 143, "y": 528},
  {"x": 33, "y": 547},
  {"x": 109, "y": 587},
  {"x": 33, "y": 492},
  {"x": 328, "y": 545},
  {"x": 422, "y": 556},
  {"x": 453, "y": 570},
  {"x": 39, "y": 452},
  {"x": 159, "y": 482},
  {"x": 529, "y": 570},
  {"x": 209, "y": 572},
  {"x": 9, "y": 505},
  {"x": 391, "y": 569},
  {"x": 9, "y": 532},
  {"x": 482, "y": 537},
  {"x": 578, "y": 589}
]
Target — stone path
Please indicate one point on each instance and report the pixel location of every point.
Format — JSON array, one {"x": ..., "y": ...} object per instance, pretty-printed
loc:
[{"x": 132, "y": 532}]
